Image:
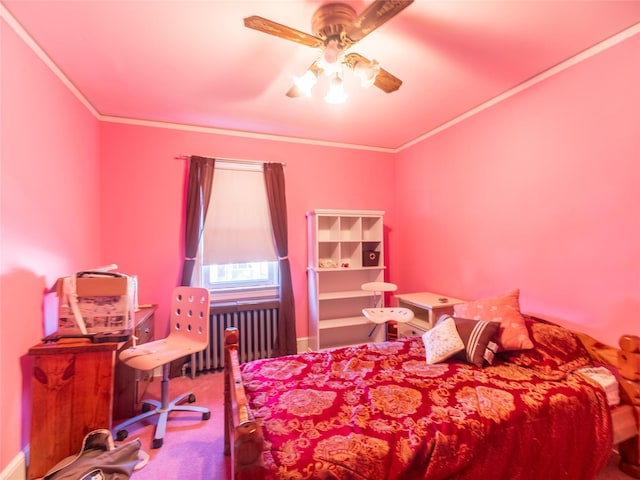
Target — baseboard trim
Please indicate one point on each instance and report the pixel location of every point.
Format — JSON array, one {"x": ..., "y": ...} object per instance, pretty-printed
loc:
[
  {"x": 302, "y": 344},
  {"x": 17, "y": 468}
]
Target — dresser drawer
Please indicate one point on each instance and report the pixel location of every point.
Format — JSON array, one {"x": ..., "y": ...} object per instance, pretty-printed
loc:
[
  {"x": 144, "y": 330},
  {"x": 414, "y": 328}
]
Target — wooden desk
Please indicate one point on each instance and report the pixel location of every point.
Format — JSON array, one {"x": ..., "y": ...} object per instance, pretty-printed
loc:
[{"x": 72, "y": 392}]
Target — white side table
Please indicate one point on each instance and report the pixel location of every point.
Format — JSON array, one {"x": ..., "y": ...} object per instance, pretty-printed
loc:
[{"x": 427, "y": 308}]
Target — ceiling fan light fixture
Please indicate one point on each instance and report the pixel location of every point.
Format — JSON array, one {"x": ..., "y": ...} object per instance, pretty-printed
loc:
[
  {"x": 367, "y": 73},
  {"x": 306, "y": 82},
  {"x": 332, "y": 57},
  {"x": 337, "y": 28},
  {"x": 336, "y": 94}
]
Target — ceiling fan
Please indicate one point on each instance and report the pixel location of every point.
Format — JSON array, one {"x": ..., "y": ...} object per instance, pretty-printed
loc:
[{"x": 336, "y": 29}]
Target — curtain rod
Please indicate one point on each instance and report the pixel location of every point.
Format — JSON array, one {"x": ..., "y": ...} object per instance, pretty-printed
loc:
[{"x": 230, "y": 160}]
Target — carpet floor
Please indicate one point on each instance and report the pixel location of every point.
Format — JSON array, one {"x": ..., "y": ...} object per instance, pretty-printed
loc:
[{"x": 193, "y": 449}]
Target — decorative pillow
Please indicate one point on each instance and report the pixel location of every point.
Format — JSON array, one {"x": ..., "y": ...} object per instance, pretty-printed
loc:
[
  {"x": 442, "y": 341},
  {"x": 478, "y": 337},
  {"x": 556, "y": 350},
  {"x": 504, "y": 309}
]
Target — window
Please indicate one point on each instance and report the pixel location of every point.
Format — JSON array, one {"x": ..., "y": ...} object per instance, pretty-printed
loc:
[
  {"x": 237, "y": 258},
  {"x": 234, "y": 276}
]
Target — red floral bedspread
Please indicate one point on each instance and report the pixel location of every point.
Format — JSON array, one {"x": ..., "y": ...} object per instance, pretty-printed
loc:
[{"x": 379, "y": 412}]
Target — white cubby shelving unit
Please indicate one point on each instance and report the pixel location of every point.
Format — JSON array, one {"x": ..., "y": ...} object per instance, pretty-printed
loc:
[{"x": 338, "y": 240}]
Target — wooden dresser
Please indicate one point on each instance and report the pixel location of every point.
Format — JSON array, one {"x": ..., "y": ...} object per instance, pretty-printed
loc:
[{"x": 78, "y": 386}]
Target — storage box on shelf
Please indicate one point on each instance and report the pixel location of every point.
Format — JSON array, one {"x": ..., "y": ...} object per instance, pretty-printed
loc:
[{"x": 341, "y": 243}]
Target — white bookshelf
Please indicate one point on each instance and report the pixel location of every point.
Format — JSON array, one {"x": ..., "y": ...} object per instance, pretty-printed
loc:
[{"x": 337, "y": 242}]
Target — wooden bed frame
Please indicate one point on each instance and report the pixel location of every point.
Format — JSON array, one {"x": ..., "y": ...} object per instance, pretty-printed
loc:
[{"x": 244, "y": 441}]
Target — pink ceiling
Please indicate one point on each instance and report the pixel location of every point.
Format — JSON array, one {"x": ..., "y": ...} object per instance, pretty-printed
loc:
[{"x": 194, "y": 63}]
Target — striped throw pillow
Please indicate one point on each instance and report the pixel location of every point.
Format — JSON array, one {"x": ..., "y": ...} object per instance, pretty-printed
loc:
[{"x": 479, "y": 338}]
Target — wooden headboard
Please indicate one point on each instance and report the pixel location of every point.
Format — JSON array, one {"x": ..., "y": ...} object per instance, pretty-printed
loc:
[
  {"x": 243, "y": 438},
  {"x": 629, "y": 368}
]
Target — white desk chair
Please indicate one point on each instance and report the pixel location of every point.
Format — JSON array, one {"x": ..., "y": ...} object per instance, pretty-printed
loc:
[
  {"x": 378, "y": 314},
  {"x": 189, "y": 334}
]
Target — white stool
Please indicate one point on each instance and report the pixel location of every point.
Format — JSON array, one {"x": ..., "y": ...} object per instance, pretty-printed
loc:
[
  {"x": 378, "y": 289},
  {"x": 379, "y": 314},
  {"x": 384, "y": 314}
]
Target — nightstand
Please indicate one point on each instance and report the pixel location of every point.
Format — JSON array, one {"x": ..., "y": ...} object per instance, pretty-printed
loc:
[{"x": 427, "y": 308}]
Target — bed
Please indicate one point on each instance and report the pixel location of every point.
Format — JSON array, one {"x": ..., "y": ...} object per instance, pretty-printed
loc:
[{"x": 379, "y": 411}]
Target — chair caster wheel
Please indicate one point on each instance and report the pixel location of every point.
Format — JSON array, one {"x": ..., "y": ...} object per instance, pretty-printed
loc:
[
  {"x": 192, "y": 398},
  {"x": 145, "y": 407},
  {"x": 206, "y": 415},
  {"x": 121, "y": 435},
  {"x": 157, "y": 443}
]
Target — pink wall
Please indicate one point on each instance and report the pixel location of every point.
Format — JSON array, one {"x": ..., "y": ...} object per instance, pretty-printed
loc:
[
  {"x": 77, "y": 194},
  {"x": 48, "y": 205},
  {"x": 143, "y": 188},
  {"x": 539, "y": 192}
]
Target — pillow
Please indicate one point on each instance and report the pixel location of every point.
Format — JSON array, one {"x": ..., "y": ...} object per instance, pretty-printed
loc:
[
  {"x": 504, "y": 309},
  {"x": 442, "y": 341},
  {"x": 478, "y": 337}
]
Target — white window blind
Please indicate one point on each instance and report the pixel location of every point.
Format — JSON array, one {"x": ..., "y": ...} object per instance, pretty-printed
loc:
[{"x": 238, "y": 226}]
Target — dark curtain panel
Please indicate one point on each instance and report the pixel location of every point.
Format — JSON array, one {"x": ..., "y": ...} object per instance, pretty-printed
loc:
[
  {"x": 198, "y": 194},
  {"x": 285, "y": 343}
]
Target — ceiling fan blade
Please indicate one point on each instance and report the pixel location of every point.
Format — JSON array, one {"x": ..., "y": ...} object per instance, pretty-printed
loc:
[
  {"x": 387, "y": 82},
  {"x": 384, "y": 80},
  {"x": 376, "y": 14},
  {"x": 295, "y": 90},
  {"x": 282, "y": 31}
]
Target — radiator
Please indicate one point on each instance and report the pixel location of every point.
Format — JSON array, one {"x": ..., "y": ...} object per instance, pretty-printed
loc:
[{"x": 257, "y": 329}]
